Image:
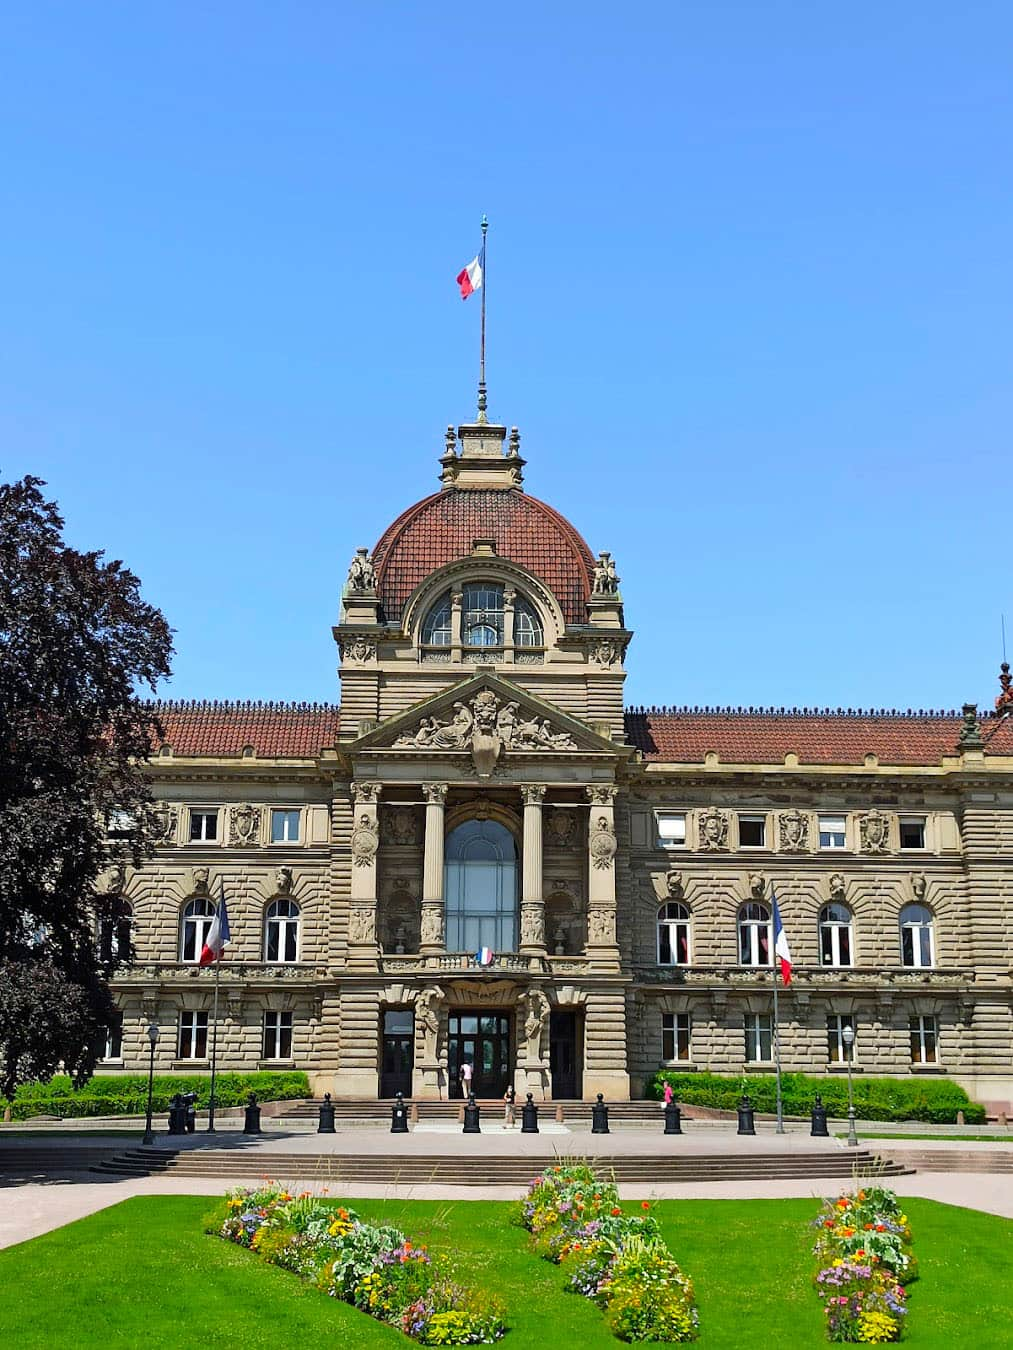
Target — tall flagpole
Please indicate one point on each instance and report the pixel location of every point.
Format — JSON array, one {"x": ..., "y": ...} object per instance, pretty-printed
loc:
[
  {"x": 481, "y": 361},
  {"x": 214, "y": 1049},
  {"x": 777, "y": 1055}
]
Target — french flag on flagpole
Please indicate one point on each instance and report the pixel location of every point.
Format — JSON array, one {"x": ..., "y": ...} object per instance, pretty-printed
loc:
[
  {"x": 470, "y": 278},
  {"x": 484, "y": 956},
  {"x": 781, "y": 948},
  {"x": 218, "y": 937}
]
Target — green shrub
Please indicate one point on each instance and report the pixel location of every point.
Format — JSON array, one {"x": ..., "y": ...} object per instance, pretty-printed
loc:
[
  {"x": 127, "y": 1094},
  {"x": 928, "y": 1099}
]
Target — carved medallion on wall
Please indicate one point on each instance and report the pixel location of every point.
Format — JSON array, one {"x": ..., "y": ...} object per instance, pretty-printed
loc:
[
  {"x": 713, "y": 828},
  {"x": 560, "y": 828},
  {"x": 358, "y": 647},
  {"x": 874, "y": 832},
  {"x": 365, "y": 842},
  {"x": 794, "y": 831},
  {"x": 164, "y": 820},
  {"x": 244, "y": 826},
  {"x": 602, "y": 843},
  {"x": 399, "y": 825},
  {"x": 605, "y": 652}
]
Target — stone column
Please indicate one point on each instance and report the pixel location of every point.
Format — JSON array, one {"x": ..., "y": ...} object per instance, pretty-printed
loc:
[
  {"x": 532, "y": 898},
  {"x": 456, "y": 604},
  {"x": 602, "y": 946},
  {"x": 363, "y": 952},
  {"x": 509, "y": 599},
  {"x": 433, "y": 925}
]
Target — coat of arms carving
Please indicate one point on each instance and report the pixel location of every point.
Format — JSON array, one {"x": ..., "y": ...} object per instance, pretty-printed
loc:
[
  {"x": 713, "y": 828},
  {"x": 364, "y": 842},
  {"x": 244, "y": 825},
  {"x": 874, "y": 832},
  {"x": 486, "y": 725},
  {"x": 602, "y": 843},
  {"x": 794, "y": 830},
  {"x": 163, "y": 823}
]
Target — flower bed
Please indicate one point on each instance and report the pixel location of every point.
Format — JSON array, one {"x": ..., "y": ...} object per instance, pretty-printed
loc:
[
  {"x": 378, "y": 1269},
  {"x": 864, "y": 1252},
  {"x": 619, "y": 1260}
]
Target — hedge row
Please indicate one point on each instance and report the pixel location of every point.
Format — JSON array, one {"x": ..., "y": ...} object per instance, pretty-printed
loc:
[
  {"x": 127, "y": 1095},
  {"x": 933, "y": 1100}
]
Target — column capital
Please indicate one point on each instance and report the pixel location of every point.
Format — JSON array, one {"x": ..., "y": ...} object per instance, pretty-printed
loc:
[
  {"x": 365, "y": 793},
  {"x": 533, "y": 794},
  {"x": 435, "y": 793},
  {"x": 601, "y": 796}
]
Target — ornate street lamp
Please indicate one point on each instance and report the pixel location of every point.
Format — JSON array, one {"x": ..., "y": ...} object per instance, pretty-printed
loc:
[
  {"x": 848, "y": 1036},
  {"x": 149, "y": 1138}
]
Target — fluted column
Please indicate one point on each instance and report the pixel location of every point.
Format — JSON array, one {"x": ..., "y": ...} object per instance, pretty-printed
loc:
[
  {"x": 602, "y": 946},
  {"x": 433, "y": 920},
  {"x": 532, "y": 898}
]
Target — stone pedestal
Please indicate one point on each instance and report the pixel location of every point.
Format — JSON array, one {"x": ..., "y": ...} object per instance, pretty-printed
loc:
[
  {"x": 429, "y": 1082},
  {"x": 533, "y": 1078}
]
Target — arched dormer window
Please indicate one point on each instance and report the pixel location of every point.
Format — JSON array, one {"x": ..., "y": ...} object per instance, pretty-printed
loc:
[
  {"x": 673, "y": 934},
  {"x": 281, "y": 931},
  {"x": 198, "y": 916},
  {"x": 492, "y": 617},
  {"x": 436, "y": 628},
  {"x": 528, "y": 631},
  {"x": 482, "y": 615}
]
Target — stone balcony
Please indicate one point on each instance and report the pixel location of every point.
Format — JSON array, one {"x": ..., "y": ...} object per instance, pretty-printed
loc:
[{"x": 811, "y": 978}]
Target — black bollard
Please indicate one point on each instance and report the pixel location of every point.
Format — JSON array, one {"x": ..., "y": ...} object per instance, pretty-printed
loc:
[
  {"x": 472, "y": 1113},
  {"x": 529, "y": 1117},
  {"x": 746, "y": 1125},
  {"x": 673, "y": 1118},
  {"x": 326, "y": 1125},
  {"x": 819, "y": 1119},
  {"x": 600, "y": 1117},
  {"x": 177, "y": 1114},
  {"x": 399, "y": 1116},
  {"x": 251, "y": 1123},
  {"x": 190, "y": 1103}
]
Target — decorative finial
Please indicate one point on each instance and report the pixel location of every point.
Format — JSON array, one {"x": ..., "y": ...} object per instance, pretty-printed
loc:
[
  {"x": 515, "y": 444},
  {"x": 451, "y": 441},
  {"x": 1005, "y": 700},
  {"x": 970, "y": 732}
]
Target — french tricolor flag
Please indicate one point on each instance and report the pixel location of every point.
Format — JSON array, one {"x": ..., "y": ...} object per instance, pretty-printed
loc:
[
  {"x": 470, "y": 278},
  {"x": 484, "y": 956},
  {"x": 218, "y": 937},
  {"x": 781, "y": 949}
]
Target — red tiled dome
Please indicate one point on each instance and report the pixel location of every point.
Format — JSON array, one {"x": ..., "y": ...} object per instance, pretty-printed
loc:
[{"x": 442, "y": 528}]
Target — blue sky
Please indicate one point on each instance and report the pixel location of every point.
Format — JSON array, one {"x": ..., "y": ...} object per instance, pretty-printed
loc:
[{"x": 749, "y": 302}]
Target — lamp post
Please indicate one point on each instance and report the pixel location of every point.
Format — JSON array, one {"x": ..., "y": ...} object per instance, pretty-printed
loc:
[
  {"x": 848, "y": 1036},
  {"x": 149, "y": 1138}
]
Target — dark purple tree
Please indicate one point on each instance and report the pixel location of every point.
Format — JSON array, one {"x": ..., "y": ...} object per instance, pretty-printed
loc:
[{"x": 77, "y": 643}]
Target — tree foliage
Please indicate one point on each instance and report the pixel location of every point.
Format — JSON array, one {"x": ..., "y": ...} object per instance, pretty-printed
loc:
[{"x": 76, "y": 644}]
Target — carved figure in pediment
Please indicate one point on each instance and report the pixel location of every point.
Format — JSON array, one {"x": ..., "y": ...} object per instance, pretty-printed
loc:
[
  {"x": 602, "y": 843},
  {"x": 713, "y": 828},
  {"x": 487, "y": 727},
  {"x": 874, "y": 832},
  {"x": 506, "y": 723},
  {"x": 453, "y": 735},
  {"x": 361, "y": 572},
  {"x": 283, "y": 881},
  {"x": 364, "y": 842},
  {"x": 794, "y": 828},
  {"x": 244, "y": 825}
]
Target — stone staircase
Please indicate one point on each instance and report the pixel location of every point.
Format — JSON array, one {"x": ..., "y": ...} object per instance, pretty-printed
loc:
[
  {"x": 995, "y": 1159},
  {"x": 489, "y": 1169},
  {"x": 46, "y": 1162}
]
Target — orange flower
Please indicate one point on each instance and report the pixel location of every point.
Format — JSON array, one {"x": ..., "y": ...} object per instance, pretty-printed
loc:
[
  {"x": 868, "y": 1227},
  {"x": 616, "y": 1212},
  {"x": 644, "y": 1204}
]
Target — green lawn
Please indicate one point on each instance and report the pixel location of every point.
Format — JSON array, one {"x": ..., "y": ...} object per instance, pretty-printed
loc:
[{"x": 143, "y": 1274}]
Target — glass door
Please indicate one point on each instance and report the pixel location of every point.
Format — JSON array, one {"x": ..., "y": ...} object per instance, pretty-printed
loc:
[
  {"x": 481, "y": 1040},
  {"x": 564, "y": 1064},
  {"x": 397, "y": 1052}
]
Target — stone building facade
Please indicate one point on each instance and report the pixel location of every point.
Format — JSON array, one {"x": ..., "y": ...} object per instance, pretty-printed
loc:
[{"x": 479, "y": 855}]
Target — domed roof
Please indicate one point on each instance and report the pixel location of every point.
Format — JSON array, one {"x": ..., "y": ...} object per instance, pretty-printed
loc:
[{"x": 443, "y": 528}]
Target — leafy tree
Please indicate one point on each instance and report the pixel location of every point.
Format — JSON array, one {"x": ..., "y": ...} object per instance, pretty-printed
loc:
[{"x": 76, "y": 644}]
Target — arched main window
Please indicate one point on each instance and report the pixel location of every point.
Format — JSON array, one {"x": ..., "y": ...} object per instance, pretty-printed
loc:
[
  {"x": 482, "y": 615},
  {"x": 673, "y": 934},
  {"x": 483, "y": 619},
  {"x": 836, "y": 945},
  {"x": 480, "y": 876},
  {"x": 281, "y": 931},
  {"x": 114, "y": 934},
  {"x": 198, "y": 916},
  {"x": 754, "y": 935},
  {"x": 916, "y": 940}
]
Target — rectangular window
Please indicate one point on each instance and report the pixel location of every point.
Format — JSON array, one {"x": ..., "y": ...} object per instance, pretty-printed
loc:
[
  {"x": 120, "y": 823},
  {"x": 831, "y": 832},
  {"x": 752, "y": 831},
  {"x": 759, "y": 1041},
  {"x": 837, "y": 1050},
  {"x": 923, "y": 1040},
  {"x": 284, "y": 827},
  {"x": 671, "y": 829},
  {"x": 114, "y": 1039},
  {"x": 193, "y": 1036},
  {"x": 203, "y": 826},
  {"x": 912, "y": 831},
  {"x": 277, "y": 1035},
  {"x": 675, "y": 1034}
]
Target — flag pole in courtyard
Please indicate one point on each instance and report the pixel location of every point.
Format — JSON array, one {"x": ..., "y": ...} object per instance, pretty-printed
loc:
[
  {"x": 214, "y": 948},
  {"x": 777, "y": 1060},
  {"x": 782, "y": 966},
  {"x": 214, "y": 1049},
  {"x": 482, "y": 401}
]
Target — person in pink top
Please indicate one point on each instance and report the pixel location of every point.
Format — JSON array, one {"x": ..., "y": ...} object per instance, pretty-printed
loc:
[{"x": 668, "y": 1094}]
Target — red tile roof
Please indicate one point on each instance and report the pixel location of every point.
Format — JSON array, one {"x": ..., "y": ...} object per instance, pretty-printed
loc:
[
  {"x": 754, "y": 736},
  {"x": 442, "y": 528},
  {"x": 274, "y": 730}
]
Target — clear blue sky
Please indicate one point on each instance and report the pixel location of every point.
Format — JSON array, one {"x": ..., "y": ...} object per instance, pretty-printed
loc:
[{"x": 750, "y": 302}]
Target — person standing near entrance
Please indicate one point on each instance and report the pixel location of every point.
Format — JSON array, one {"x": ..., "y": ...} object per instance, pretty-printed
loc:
[
  {"x": 466, "y": 1077},
  {"x": 509, "y": 1117}
]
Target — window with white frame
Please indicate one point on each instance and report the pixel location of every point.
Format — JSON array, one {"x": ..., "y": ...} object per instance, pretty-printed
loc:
[
  {"x": 836, "y": 945},
  {"x": 198, "y": 916},
  {"x": 436, "y": 627},
  {"x": 277, "y": 1035},
  {"x": 193, "y": 1036},
  {"x": 114, "y": 1038},
  {"x": 527, "y": 625},
  {"x": 916, "y": 942},
  {"x": 675, "y": 1036},
  {"x": 752, "y": 831},
  {"x": 203, "y": 827},
  {"x": 832, "y": 831},
  {"x": 759, "y": 1038},
  {"x": 285, "y": 827},
  {"x": 281, "y": 931},
  {"x": 912, "y": 832},
  {"x": 482, "y": 620},
  {"x": 837, "y": 1050},
  {"x": 754, "y": 935},
  {"x": 673, "y": 934},
  {"x": 671, "y": 829},
  {"x": 924, "y": 1037}
]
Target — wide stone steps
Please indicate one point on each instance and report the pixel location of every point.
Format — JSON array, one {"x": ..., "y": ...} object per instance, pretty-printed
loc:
[
  {"x": 26, "y": 1164},
  {"x": 995, "y": 1159},
  {"x": 488, "y": 1170}
]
